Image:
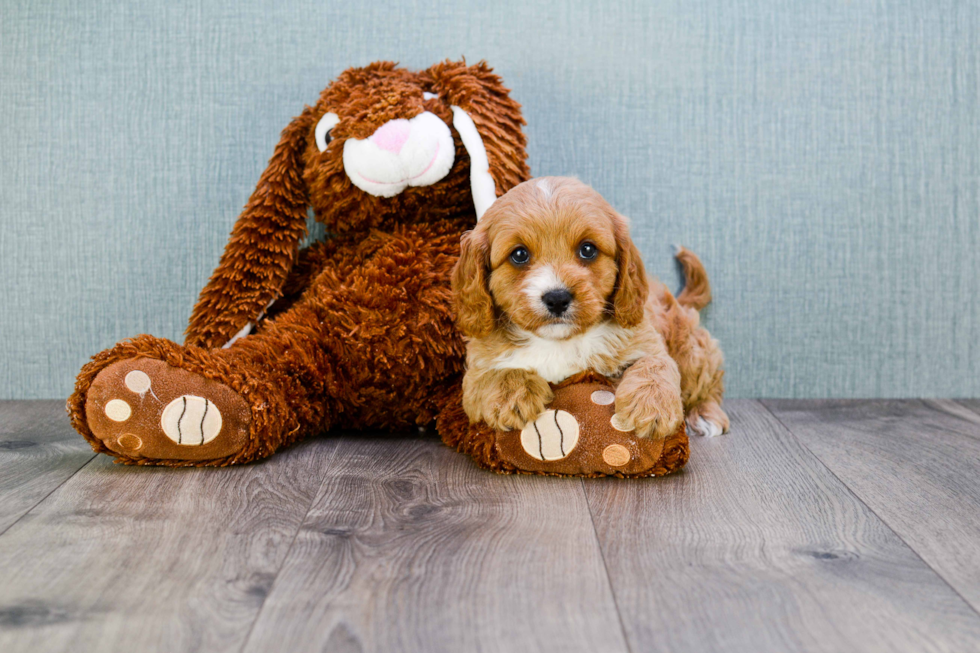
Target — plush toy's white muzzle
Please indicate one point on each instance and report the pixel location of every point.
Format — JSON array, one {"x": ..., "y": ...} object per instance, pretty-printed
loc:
[
  {"x": 417, "y": 152},
  {"x": 399, "y": 154}
]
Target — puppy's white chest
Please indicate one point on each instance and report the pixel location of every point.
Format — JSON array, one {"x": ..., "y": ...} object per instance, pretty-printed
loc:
[{"x": 556, "y": 360}]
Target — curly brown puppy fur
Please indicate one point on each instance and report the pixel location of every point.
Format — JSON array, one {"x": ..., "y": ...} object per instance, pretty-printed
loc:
[
  {"x": 549, "y": 284},
  {"x": 356, "y": 331}
]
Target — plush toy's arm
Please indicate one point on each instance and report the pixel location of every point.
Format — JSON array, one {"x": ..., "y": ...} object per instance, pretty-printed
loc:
[{"x": 262, "y": 248}]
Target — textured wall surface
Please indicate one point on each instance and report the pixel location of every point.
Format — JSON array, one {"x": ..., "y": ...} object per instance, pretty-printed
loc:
[{"x": 822, "y": 158}]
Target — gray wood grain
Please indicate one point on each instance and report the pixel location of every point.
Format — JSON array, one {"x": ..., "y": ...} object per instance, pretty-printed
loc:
[
  {"x": 38, "y": 451},
  {"x": 758, "y": 547},
  {"x": 915, "y": 463},
  {"x": 136, "y": 559},
  {"x": 410, "y": 547}
]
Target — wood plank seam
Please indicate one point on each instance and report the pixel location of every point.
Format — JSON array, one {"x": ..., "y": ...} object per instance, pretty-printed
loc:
[
  {"x": 403, "y": 521},
  {"x": 955, "y": 409},
  {"x": 963, "y": 402},
  {"x": 299, "y": 527},
  {"x": 780, "y": 550},
  {"x": 865, "y": 504},
  {"x": 605, "y": 567},
  {"x": 968, "y": 406},
  {"x": 45, "y": 497}
]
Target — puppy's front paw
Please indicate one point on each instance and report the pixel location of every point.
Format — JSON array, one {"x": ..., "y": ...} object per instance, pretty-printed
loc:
[
  {"x": 653, "y": 410},
  {"x": 520, "y": 400}
]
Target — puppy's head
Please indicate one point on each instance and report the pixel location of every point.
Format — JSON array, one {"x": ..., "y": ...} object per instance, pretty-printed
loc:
[{"x": 552, "y": 257}]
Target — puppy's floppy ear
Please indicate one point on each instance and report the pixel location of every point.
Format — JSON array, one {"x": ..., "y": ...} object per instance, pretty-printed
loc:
[
  {"x": 471, "y": 293},
  {"x": 262, "y": 247},
  {"x": 632, "y": 285}
]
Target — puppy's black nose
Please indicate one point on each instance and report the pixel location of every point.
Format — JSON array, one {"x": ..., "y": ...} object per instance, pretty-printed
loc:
[{"x": 557, "y": 301}]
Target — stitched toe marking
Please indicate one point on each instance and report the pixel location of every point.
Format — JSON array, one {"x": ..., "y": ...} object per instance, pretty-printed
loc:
[
  {"x": 138, "y": 382},
  {"x": 603, "y": 397},
  {"x": 118, "y": 410},
  {"x": 621, "y": 424}
]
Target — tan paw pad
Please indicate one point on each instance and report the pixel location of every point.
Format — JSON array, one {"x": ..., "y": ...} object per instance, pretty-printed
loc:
[
  {"x": 616, "y": 455},
  {"x": 129, "y": 442}
]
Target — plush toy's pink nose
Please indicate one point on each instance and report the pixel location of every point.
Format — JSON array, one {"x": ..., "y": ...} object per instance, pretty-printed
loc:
[{"x": 392, "y": 135}]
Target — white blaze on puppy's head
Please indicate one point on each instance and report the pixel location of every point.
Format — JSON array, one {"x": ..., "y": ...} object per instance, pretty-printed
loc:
[{"x": 544, "y": 187}]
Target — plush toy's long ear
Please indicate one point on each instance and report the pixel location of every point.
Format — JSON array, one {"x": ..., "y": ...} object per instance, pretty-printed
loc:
[
  {"x": 632, "y": 285},
  {"x": 487, "y": 120},
  {"x": 471, "y": 294},
  {"x": 262, "y": 247}
]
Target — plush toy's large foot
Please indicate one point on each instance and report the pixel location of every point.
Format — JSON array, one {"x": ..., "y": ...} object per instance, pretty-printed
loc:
[
  {"x": 142, "y": 408},
  {"x": 578, "y": 435}
]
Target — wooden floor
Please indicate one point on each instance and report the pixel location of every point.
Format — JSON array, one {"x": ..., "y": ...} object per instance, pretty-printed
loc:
[{"x": 815, "y": 526}]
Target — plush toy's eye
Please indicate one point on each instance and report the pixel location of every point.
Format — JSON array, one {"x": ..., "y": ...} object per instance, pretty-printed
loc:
[
  {"x": 587, "y": 251},
  {"x": 429, "y": 96},
  {"x": 327, "y": 122},
  {"x": 520, "y": 256}
]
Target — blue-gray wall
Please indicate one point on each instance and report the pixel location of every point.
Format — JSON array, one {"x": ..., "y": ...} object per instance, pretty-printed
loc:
[{"x": 821, "y": 156}]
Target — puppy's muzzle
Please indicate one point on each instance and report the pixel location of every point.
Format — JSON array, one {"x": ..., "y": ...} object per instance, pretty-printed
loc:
[{"x": 557, "y": 301}]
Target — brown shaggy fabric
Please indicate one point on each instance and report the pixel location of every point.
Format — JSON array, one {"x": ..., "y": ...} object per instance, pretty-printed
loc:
[{"x": 360, "y": 331}]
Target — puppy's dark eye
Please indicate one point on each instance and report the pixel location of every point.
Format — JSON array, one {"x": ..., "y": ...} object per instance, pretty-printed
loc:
[
  {"x": 587, "y": 251},
  {"x": 520, "y": 256}
]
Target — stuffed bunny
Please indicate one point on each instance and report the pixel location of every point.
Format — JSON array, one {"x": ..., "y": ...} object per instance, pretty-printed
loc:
[{"x": 355, "y": 331}]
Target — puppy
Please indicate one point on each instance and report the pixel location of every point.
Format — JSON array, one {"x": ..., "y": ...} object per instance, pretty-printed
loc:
[{"x": 549, "y": 284}]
